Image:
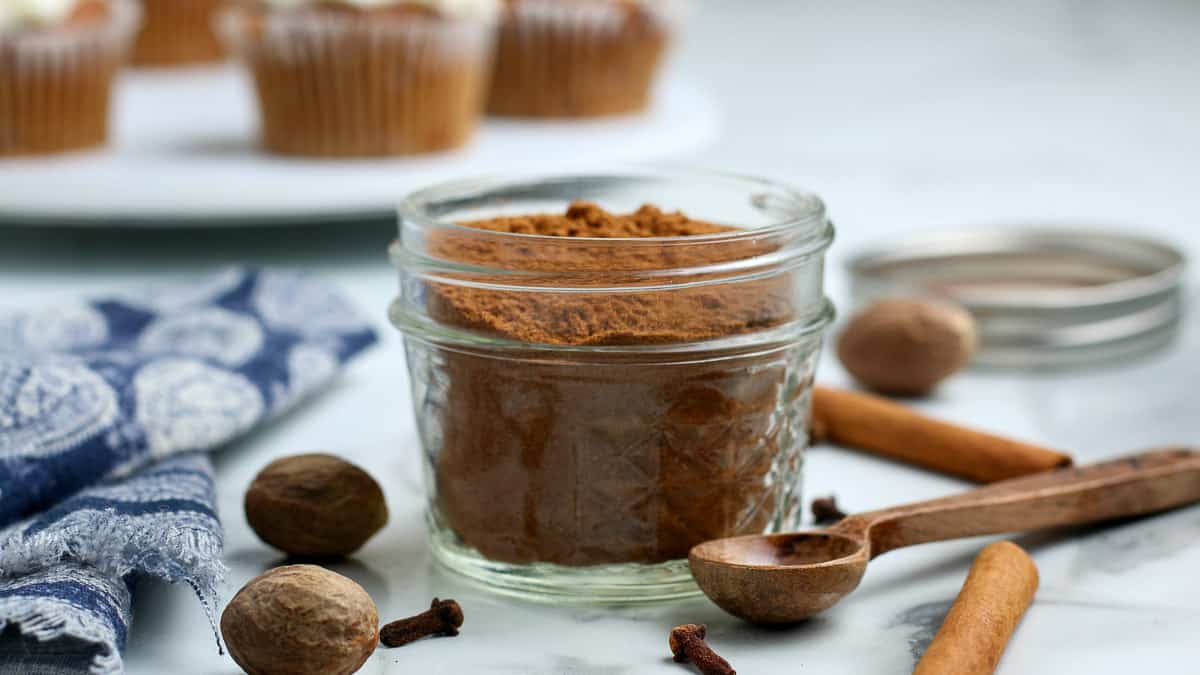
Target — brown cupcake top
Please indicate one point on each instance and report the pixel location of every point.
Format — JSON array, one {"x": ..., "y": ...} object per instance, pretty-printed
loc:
[
  {"x": 49, "y": 16},
  {"x": 89, "y": 12}
]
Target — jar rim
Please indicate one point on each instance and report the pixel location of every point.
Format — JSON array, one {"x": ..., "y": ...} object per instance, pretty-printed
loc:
[
  {"x": 783, "y": 231},
  {"x": 424, "y": 331},
  {"x": 1045, "y": 294},
  {"x": 812, "y": 212}
]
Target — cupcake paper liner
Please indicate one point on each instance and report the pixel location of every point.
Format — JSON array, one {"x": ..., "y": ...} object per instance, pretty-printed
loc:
[
  {"x": 178, "y": 32},
  {"x": 355, "y": 84},
  {"x": 56, "y": 83},
  {"x": 580, "y": 59}
]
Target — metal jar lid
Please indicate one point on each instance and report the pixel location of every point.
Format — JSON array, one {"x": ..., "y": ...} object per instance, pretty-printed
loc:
[{"x": 1042, "y": 297}]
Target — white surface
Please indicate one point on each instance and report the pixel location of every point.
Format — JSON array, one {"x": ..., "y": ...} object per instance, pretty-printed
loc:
[
  {"x": 933, "y": 114},
  {"x": 185, "y": 149}
]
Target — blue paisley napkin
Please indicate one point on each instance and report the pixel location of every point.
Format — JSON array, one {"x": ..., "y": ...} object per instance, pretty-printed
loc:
[{"x": 106, "y": 408}]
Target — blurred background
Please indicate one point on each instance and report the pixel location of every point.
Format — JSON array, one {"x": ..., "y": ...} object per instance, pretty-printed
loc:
[{"x": 902, "y": 115}]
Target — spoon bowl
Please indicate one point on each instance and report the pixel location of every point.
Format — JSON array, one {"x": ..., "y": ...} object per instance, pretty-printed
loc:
[
  {"x": 784, "y": 578},
  {"x": 779, "y": 578}
]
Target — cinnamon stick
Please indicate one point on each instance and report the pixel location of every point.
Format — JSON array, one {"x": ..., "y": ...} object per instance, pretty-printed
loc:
[
  {"x": 880, "y": 426},
  {"x": 998, "y": 590}
]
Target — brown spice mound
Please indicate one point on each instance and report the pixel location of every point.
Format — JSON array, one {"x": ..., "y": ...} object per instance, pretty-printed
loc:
[
  {"x": 585, "y": 219},
  {"x": 603, "y": 457},
  {"x": 605, "y": 317}
]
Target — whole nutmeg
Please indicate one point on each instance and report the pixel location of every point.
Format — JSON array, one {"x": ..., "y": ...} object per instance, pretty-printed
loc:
[
  {"x": 315, "y": 506},
  {"x": 300, "y": 620},
  {"x": 906, "y": 347}
]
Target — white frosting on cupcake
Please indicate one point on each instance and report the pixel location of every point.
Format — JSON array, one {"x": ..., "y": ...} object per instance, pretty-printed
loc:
[
  {"x": 481, "y": 9},
  {"x": 18, "y": 13}
]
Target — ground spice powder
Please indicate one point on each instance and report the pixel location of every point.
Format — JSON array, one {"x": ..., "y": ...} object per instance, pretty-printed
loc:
[{"x": 600, "y": 457}]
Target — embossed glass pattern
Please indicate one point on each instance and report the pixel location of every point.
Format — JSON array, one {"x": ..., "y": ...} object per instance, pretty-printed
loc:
[{"x": 585, "y": 472}]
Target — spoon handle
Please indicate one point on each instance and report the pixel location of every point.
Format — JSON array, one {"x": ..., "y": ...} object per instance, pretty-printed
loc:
[{"x": 1131, "y": 486}]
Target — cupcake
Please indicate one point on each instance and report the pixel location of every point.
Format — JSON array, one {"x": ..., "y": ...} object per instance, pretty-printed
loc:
[
  {"x": 58, "y": 60},
  {"x": 360, "y": 78},
  {"x": 178, "y": 32},
  {"x": 580, "y": 58}
]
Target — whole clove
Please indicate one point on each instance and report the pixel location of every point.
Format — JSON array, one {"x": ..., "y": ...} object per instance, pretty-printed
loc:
[
  {"x": 825, "y": 510},
  {"x": 687, "y": 644},
  {"x": 444, "y": 617}
]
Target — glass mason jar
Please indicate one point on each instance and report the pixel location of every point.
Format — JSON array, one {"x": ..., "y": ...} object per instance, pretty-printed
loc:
[{"x": 591, "y": 408}]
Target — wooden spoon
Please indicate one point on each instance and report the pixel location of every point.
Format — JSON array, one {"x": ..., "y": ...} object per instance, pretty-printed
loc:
[{"x": 783, "y": 578}]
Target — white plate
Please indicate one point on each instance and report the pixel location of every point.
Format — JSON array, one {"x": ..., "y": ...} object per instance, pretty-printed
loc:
[{"x": 184, "y": 152}]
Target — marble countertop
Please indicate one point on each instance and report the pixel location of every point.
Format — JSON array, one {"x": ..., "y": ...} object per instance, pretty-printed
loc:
[{"x": 923, "y": 115}]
